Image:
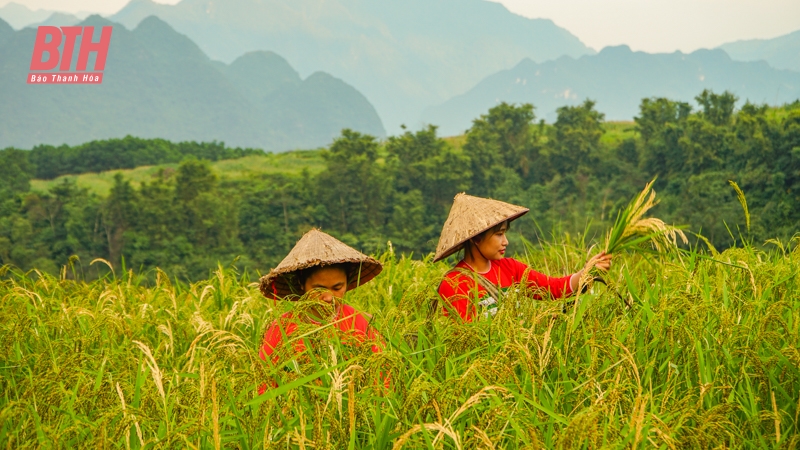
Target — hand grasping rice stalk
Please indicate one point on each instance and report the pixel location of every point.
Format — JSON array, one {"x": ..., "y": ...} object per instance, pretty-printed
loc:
[{"x": 632, "y": 230}]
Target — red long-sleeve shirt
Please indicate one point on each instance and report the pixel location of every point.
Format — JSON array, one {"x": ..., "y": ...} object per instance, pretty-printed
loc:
[
  {"x": 351, "y": 328},
  {"x": 458, "y": 288}
]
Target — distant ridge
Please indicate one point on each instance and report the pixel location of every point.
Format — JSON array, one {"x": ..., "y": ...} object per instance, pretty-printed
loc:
[
  {"x": 158, "y": 83},
  {"x": 59, "y": 20},
  {"x": 781, "y": 52},
  {"x": 19, "y": 16},
  {"x": 617, "y": 79},
  {"x": 403, "y": 55}
]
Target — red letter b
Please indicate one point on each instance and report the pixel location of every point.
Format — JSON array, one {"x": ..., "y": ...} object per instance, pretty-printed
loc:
[{"x": 42, "y": 46}]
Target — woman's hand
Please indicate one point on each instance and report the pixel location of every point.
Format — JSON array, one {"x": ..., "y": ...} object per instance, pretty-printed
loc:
[{"x": 602, "y": 261}]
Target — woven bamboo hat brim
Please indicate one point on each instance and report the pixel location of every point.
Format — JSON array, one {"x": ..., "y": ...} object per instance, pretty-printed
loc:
[
  {"x": 469, "y": 217},
  {"x": 316, "y": 248}
]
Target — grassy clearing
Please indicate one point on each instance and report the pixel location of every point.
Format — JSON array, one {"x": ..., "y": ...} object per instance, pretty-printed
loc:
[
  {"x": 617, "y": 132},
  {"x": 288, "y": 163},
  {"x": 706, "y": 356},
  {"x": 456, "y": 141}
]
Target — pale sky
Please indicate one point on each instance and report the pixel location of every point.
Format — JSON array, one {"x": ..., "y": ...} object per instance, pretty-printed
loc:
[
  {"x": 648, "y": 25},
  {"x": 657, "y": 26}
]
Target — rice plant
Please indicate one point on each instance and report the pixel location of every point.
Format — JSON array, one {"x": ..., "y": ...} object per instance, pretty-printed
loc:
[
  {"x": 708, "y": 358},
  {"x": 632, "y": 229}
]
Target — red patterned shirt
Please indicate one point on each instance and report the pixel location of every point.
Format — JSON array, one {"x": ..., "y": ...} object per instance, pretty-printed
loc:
[{"x": 458, "y": 287}]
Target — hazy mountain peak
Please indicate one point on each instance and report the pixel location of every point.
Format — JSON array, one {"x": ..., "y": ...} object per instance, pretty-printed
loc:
[
  {"x": 266, "y": 63},
  {"x": 161, "y": 38},
  {"x": 525, "y": 62},
  {"x": 714, "y": 55},
  {"x": 782, "y": 52},
  {"x": 259, "y": 74},
  {"x": 157, "y": 83},
  {"x": 617, "y": 78},
  {"x": 96, "y": 20},
  {"x": 19, "y": 16},
  {"x": 16, "y": 7},
  {"x": 616, "y": 50},
  {"x": 402, "y": 54},
  {"x": 141, "y": 3},
  {"x": 153, "y": 24},
  {"x": 58, "y": 19}
]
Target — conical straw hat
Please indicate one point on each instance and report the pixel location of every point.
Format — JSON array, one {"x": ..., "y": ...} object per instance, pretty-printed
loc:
[
  {"x": 469, "y": 217},
  {"x": 316, "y": 248}
]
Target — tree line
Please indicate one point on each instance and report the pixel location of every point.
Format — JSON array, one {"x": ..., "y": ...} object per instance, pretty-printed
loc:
[
  {"x": 572, "y": 174},
  {"x": 48, "y": 161}
]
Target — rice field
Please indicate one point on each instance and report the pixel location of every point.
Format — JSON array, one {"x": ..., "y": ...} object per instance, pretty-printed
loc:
[{"x": 691, "y": 350}]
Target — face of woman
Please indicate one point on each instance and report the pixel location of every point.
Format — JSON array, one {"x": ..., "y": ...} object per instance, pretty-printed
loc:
[
  {"x": 327, "y": 283},
  {"x": 493, "y": 243}
]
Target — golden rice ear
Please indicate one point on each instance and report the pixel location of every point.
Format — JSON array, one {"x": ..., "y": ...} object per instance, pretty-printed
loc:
[
  {"x": 742, "y": 201},
  {"x": 632, "y": 222}
]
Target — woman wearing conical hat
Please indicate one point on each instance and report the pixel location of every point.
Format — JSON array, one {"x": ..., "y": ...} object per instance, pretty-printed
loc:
[
  {"x": 479, "y": 226},
  {"x": 319, "y": 268}
]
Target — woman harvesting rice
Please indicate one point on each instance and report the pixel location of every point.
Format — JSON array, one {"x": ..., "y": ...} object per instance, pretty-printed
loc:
[
  {"x": 320, "y": 269},
  {"x": 479, "y": 226}
]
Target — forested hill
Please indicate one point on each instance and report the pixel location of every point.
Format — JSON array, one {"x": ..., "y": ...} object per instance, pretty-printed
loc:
[
  {"x": 573, "y": 175},
  {"x": 617, "y": 79},
  {"x": 158, "y": 84}
]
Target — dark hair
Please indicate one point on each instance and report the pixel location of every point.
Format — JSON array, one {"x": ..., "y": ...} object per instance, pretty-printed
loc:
[
  {"x": 488, "y": 232},
  {"x": 305, "y": 274}
]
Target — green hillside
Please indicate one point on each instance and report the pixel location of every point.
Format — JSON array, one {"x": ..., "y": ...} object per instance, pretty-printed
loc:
[
  {"x": 288, "y": 163},
  {"x": 248, "y": 167},
  {"x": 574, "y": 175}
]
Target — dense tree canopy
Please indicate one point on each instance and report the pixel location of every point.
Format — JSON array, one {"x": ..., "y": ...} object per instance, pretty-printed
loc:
[
  {"x": 572, "y": 175},
  {"x": 128, "y": 152}
]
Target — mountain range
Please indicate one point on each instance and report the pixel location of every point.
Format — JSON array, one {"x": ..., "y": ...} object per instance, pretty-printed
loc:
[
  {"x": 59, "y": 19},
  {"x": 417, "y": 61},
  {"x": 617, "y": 79},
  {"x": 19, "y": 16},
  {"x": 403, "y": 55},
  {"x": 158, "y": 83},
  {"x": 782, "y": 52}
]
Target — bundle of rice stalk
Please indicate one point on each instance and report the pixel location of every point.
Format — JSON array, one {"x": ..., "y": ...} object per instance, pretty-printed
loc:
[{"x": 632, "y": 229}]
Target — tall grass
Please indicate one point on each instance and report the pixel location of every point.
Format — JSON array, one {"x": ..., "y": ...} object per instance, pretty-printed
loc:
[
  {"x": 706, "y": 357},
  {"x": 631, "y": 229}
]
